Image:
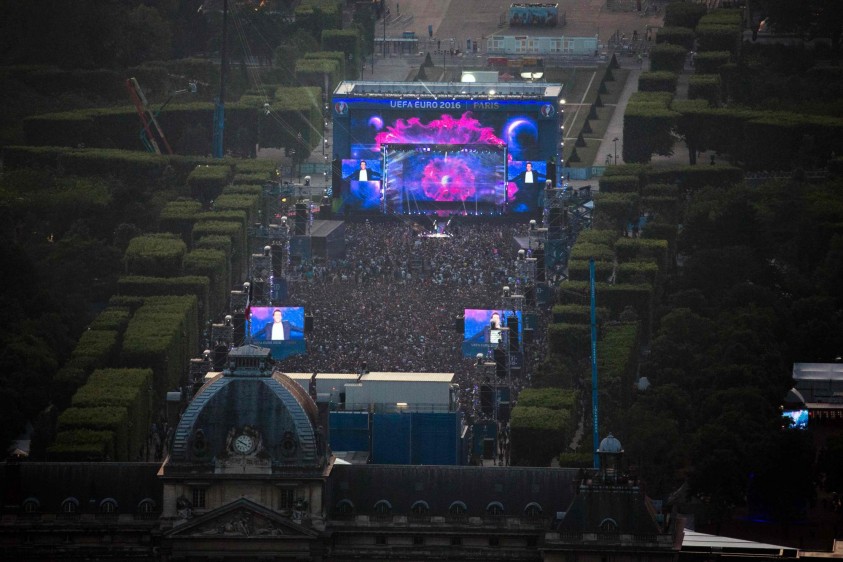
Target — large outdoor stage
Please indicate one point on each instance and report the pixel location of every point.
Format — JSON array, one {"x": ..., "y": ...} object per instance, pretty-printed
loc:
[{"x": 469, "y": 149}]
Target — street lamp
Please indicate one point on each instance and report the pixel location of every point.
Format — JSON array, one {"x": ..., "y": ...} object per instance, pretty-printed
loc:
[{"x": 615, "y": 140}]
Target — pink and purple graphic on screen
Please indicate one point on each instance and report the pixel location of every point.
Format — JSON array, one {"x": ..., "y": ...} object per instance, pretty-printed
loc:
[
  {"x": 446, "y": 130},
  {"x": 443, "y": 178}
]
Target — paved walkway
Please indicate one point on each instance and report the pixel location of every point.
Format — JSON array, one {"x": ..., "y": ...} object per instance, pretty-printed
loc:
[{"x": 615, "y": 128}]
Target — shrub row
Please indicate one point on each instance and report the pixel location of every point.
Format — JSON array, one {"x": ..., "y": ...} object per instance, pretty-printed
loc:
[
  {"x": 163, "y": 335},
  {"x": 159, "y": 255},
  {"x": 577, "y": 313},
  {"x": 538, "y": 434}
]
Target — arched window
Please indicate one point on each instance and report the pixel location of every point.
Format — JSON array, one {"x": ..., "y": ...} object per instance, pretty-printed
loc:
[
  {"x": 31, "y": 506},
  {"x": 147, "y": 508},
  {"x": 108, "y": 506},
  {"x": 533, "y": 511},
  {"x": 383, "y": 508},
  {"x": 609, "y": 525},
  {"x": 457, "y": 510},
  {"x": 344, "y": 508},
  {"x": 70, "y": 506},
  {"x": 420, "y": 508},
  {"x": 495, "y": 509}
]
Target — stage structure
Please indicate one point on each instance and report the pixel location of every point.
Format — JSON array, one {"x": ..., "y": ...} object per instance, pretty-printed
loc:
[{"x": 414, "y": 148}]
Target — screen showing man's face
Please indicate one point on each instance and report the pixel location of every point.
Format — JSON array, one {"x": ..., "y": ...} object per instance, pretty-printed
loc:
[
  {"x": 363, "y": 165},
  {"x": 276, "y": 316}
]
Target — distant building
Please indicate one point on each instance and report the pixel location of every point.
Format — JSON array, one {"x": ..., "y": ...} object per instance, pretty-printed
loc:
[{"x": 249, "y": 476}]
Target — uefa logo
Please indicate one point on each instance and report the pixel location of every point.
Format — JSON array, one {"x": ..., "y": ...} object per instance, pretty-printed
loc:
[
  {"x": 340, "y": 108},
  {"x": 547, "y": 110}
]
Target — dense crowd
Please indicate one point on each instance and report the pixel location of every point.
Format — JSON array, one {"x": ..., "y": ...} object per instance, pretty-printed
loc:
[{"x": 392, "y": 302}]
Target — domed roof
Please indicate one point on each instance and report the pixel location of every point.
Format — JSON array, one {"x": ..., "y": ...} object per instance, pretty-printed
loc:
[
  {"x": 250, "y": 411},
  {"x": 610, "y": 444}
]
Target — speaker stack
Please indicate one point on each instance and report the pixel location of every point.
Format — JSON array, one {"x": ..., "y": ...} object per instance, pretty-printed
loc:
[{"x": 300, "y": 220}]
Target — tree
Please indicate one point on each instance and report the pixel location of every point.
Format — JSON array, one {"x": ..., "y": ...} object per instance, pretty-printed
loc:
[
  {"x": 647, "y": 125},
  {"x": 719, "y": 471},
  {"x": 691, "y": 126},
  {"x": 145, "y": 36},
  {"x": 784, "y": 485}
]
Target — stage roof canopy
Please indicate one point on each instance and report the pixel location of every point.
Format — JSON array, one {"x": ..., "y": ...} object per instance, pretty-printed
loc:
[{"x": 456, "y": 90}]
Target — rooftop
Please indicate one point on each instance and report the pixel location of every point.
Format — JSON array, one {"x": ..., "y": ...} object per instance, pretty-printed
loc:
[{"x": 432, "y": 90}]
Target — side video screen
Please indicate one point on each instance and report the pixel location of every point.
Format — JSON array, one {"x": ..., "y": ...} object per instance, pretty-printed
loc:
[
  {"x": 281, "y": 329},
  {"x": 482, "y": 330}
]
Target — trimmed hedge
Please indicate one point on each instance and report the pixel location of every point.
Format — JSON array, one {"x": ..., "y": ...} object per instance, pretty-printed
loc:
[
  {"x": 683, "y": 14},
  {"x": 312, "y": 72},
  {"x": 649, "y": 120},
  {"x": 658, "y": 81},
  {"x": 193, "y": 285},
  {"x": 103, "y": 418},
  {"x": 296, "y": 110},
  {"x": 626, "y": 169},
  {"x": 569, "y": 340},
  {"x": 584, "y": 251},
  {"x": 249, "y": 204},
  {"x": 722, "y": 16},
  {"x": 665, "y": 57},
  {"x": 615, "y": 210},
  {"x": 133, "y": 167},
  {"x": 661, "y": 190},
  {"x": 163, "y": 335},
  {"x": 216, "y": 242},
  {"x": 682, "y": 36},
  {"x": 348, "y": 41},
  {"x": 160, "y": 255},
  {"x": 576, "y": 460},
  {"x": 553, "y": 398},
  {"x": 112, "y": 318},
  {"x": 65, "y": 382},
  {"x": 67, "y": 441},
  {"x": 712, "y": 37},
  {"x": 710, "y": 62},
  {"x": 129, "y": 388},
  {"x": 614, "y": 297},
  {"x": 231, "y": 223},
  {"x": 619, "y": 184},
  {"x": 179, "y": 217},
  {"x": 665, "y": 207},
  {"x": 538, "y": 434},
  {"x": 656, "y": 230},
  {"x": 618, "y": 351},
  {"x": 92, "y": 446},
  {"x": 206, "y": 182},
  {"x": 596, "y": 236},
  {"x": 578, "y": 270},
  {"x": 638, "y": 272},
  {"x": 633, "y": 249},
  {"x": 214, "y": 265},
  {"x": 577, "y": 314},
  {"x": 122, "y": 377},
  {"x": 705, "y": 86},
  {"x": 697, "y": 177},
  {"x": 136, "y": 400},
  {"x": 100, "y": 344}
]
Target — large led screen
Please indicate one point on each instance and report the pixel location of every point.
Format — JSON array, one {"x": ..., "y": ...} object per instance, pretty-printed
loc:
[
  {"x": 456, "y": 177},
  {"x": 279, "y": 328},
  {"x": 481, "y": 331},
  {"x": 517, "y": 129}
]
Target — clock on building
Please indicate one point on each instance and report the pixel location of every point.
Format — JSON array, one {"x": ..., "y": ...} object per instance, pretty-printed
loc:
[{"x": 244, "y": 444}]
